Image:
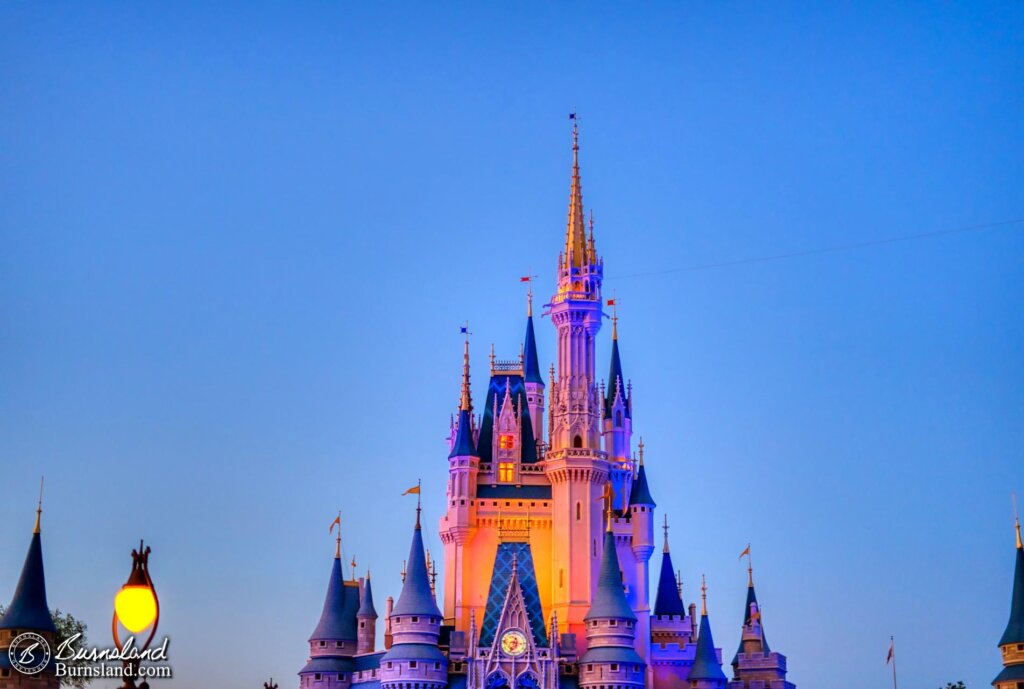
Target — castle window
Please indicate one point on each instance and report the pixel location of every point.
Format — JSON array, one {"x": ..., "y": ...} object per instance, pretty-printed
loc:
[
  {"x": 317, "y": 676},
  {"x": 618, "y": 418},
  {"x": 615, "y": 667},
  {"x": 412, "y": 664},
  {"x": 506, "y": 472},
  {"x": 579, "y": 511},
  {"x": 341, "y": 677},
  {"x": 590, "y": 668},
  {"x": 613, "y": 623},
  {"x": 415, "y": 619},
  {"x": 577, "y": 441},
  {"x": 323, "y": 643},
  {"x": 506, "y": 441},
  {"x": 437, "y": 666},
  {"x": 561, "y": 578}
]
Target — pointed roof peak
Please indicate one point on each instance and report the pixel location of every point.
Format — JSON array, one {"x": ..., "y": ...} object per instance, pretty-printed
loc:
[
  {"x": 706, "y": 665},
  {"x": 366, "y": 608},
  {"x": 39, "y": 508},
  {"x": 466, "y": 401},
  {"x": 575, "y": 233},
  {"x": 416, "y": 597},
  {"x": 610, "y": 597},
  {"x": 669, "y": 599},
  {"x": 29, "y": 609}
]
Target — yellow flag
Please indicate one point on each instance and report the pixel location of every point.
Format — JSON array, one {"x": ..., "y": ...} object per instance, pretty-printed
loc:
[
  {"x": 415, "y": 490},
  {"x": 746, "y": 551}
]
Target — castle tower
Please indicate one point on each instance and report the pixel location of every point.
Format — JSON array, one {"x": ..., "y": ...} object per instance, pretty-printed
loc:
[
  {"x": 28, "y": 612},
  {"x": 1012, "y": 641},
  {"x": 617, "y": 420},
  {"x": 611, "y": 660},
  {"x": 414, "y": 659},
  {"x": 458, "y": 527},
  {"x": 706, "y": 671},
  {"x": 367, "y": 618},
  {"x": 671, "y": 627},
  {"x": 533, "y": 381},
  {"x": 641, "y": 512},
  {"x": 755, "y": 666},
  {"x": 576, "y": 466},
  {"x": 333, "y": 643}
]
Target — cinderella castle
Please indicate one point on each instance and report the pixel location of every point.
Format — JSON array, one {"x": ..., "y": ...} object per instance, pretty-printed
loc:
[{"x": 548, "y": 538}]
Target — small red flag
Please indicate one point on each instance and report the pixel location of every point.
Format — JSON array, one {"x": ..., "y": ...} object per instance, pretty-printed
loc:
[
  {"x": 525, "y": 279},
  {"x": 611, "y": 302}
]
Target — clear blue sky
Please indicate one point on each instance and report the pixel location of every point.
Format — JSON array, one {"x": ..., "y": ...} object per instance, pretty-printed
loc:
[{"x": 238, "y": 239}]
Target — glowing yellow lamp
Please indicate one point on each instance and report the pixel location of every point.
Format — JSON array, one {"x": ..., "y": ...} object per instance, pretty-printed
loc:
[{"x": 135, "y": 607}]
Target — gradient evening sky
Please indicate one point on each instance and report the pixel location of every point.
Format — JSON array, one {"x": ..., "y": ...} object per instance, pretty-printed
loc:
[{"x": 238, "y": 240}]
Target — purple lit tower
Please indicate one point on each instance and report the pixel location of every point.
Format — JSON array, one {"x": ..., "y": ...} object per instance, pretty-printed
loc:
[{"x": 542, "y": 587}]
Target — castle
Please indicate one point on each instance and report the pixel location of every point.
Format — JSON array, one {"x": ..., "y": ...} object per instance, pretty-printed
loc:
[{"x": 548, "y": 538}]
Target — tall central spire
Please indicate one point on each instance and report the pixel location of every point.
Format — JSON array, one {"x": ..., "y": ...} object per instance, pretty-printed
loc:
[{"x": 575, "y": 230}]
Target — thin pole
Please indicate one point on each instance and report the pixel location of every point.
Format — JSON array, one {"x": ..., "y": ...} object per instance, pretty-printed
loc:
[{"x": 893, "y": 642}]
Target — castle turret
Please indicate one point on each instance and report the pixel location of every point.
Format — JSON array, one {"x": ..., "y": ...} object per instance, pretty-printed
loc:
[
  {"x": 533, "y": 380},
  {"x": 414, "y": 659},
  {"x": 29, "y": 612},
  {"x": 611, "y": 659},
  {"x": 755, "y": 666},
  {"x": 706, "y": 671},
  {"x": 457, "y": 526},
  {"x": 367, "y": 618},
  {"x": 641, "y": 516},
  {"x": 1012, "y": 641},
  {"x": 575, "y": 464},
  {"x": 617, "y": 417},
  {"x": 333, "y": 642}
]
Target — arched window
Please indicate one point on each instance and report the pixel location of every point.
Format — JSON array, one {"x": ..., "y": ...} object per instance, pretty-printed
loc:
[
  {"x": 577, "y": 441},
  {"x": 618, "y": 418},
  {"x": 579, "y": 511}
]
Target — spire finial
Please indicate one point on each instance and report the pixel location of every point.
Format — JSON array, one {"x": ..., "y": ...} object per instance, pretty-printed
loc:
[
  {"x": 353, "y": 564},
  {"x": 337, "y": 539},
  {"x": 703, "y": 595},
  {"x": 466, "y": 403},
  {"x": 640, "y": 447},
  {"x": 39, "y": 508},
  {"x": 614, "y": 303},
  {"x": 419, "y": 503},
  {"x": 529, "y": 291},
  {"x": 575, "y": 233},
  {"x": 665, "y": 529},
  {"x": 1016, "y": 522}
]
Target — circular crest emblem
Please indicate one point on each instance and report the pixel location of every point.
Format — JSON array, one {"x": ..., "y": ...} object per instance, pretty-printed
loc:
[{"x": 29, "y": 653}]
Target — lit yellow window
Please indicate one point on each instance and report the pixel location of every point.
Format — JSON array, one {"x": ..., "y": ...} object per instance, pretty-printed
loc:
[
  {"x": 505, "y": 471},
  {"x": 506, "y": 441}
]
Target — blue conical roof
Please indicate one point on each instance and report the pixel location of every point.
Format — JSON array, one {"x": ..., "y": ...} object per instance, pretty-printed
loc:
[
  {"x": 1014, "y": 633},
  {"x": 416, "y": 597},
  {"x": 531, "y": 365},
  {"x": 751, "y": 598},
  {"x": 705, "y": 664},
  {"x": 640, "y": 493},
  {"x": 668, "y": 601},
  {"x": 366, "y": 608},
  {"x": 463, "y": 446},
  {"x": 332, "y": 625},
  {"x": 29, "y": 609},
  {"x": 615, "y": 378},
  {"x": 610, "y": 597}
]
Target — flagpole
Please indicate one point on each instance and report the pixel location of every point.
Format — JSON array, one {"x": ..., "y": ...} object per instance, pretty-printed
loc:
[{"x": 892, "y": 641}]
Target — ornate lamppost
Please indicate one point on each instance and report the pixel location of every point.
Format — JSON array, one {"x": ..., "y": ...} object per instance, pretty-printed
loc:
[{"x": 136, "y": 608}]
